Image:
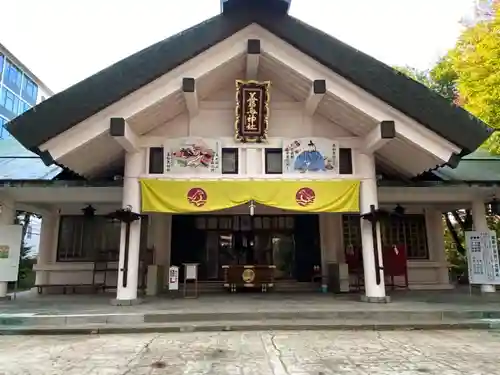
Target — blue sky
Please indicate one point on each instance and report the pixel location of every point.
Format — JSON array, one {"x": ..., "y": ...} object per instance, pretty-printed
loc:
[{"x": 63, "y": 41}]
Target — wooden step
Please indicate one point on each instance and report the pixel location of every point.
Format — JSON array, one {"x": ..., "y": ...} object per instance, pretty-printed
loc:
[{"x": 279, "y": 286}]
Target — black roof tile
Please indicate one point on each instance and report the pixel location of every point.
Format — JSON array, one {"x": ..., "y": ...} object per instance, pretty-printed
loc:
[{"x": 66, "y": 109}]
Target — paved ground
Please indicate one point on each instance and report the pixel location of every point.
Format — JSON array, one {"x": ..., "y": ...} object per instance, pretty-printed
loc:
[{"x": 262, "y": 353}]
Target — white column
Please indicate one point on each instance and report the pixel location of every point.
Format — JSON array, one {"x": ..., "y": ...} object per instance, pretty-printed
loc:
[
  {"x": 368, "y": 197},
  {"x": 480, "y": 224},
  {"x": 162, "y": 240},
  {"x": 254, "y": 162},
  {"x": 7, "y": 217},
  {"x": 46, "y": 247},
  {"x": 134, "y": 165}
]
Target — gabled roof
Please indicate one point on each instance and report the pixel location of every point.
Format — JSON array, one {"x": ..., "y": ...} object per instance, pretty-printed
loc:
[{"x": 66, "y": 109}]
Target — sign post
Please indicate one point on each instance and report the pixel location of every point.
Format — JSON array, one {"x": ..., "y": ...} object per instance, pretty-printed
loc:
[
  {"x": 482, "y": 257},
  {"x": 191, "y": 274},
  {"x": 173, "y": 278},
  {"x": 10, "y": 252}
]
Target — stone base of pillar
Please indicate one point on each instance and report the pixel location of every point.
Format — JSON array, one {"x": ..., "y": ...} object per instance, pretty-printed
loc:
[
  {"x": 3, "y": 290},
  {"x": 488, "y": 289},
  {"x": 385, "y": 299},
  {"x": 126, "y": 302}
]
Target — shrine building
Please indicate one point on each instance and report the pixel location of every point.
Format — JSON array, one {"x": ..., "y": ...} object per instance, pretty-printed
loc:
[{"x": 265, "y": 151}]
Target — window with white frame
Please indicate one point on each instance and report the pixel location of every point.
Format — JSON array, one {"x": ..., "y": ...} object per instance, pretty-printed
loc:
[{"x": 274, "y": 161}]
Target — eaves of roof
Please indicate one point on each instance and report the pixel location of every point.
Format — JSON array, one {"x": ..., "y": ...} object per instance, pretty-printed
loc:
[{"x": 66, "y": 109}]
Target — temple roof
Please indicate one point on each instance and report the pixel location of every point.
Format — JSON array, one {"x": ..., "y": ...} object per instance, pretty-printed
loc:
[
  {"x": 480, "y": 166},
  {"x": 84, "y": 99}
]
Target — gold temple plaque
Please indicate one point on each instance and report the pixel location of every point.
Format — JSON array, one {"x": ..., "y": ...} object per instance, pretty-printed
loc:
[{"x": 252, "y": 111}]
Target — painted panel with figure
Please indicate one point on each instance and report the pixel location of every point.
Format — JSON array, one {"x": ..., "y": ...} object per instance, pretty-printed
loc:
[
  {"x": 192, "y": 156},
  {"x": 310, "y": 155}
]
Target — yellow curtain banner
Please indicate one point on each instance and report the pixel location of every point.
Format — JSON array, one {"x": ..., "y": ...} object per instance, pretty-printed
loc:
[{"x": 174, "y": 196}]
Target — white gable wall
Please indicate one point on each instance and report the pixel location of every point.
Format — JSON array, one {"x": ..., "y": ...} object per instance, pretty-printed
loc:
[{"x": 287, "y": 123}]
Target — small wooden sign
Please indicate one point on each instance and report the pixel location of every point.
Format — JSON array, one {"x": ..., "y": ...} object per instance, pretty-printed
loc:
[{"x": 252, "y": 111}]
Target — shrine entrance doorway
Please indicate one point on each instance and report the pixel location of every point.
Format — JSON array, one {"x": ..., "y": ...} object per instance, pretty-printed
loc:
[{"x": 290, "y": 243}]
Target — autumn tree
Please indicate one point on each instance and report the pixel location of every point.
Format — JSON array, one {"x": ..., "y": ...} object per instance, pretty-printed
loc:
[
  {"x": 473, "y": 66},
  {"x": 469, "y": 75}
]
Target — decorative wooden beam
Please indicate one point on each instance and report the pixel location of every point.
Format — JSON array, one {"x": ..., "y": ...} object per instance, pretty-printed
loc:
[
  {"x": 124, "y": 135},
  {"x": 378, "y": 137},
  {"x": 453, "y": 161},
  {"x": 46, "y": 158},
  {"x": 253, "y": 58},
  {"x": 318, "y": 90},
  {"x": 191, "y": 96}
]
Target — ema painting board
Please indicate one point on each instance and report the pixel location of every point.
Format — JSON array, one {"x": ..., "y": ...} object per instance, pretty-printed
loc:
[
  {"x": 310, "y": 155},
  {"x": 10, "y": 251},
  {"x": 192, "y": 156}
]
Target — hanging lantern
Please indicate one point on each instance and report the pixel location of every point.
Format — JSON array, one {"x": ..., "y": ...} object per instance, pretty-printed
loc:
[
  {"x": 399, "y": 210},
  {"x": 89, "y": 211}
]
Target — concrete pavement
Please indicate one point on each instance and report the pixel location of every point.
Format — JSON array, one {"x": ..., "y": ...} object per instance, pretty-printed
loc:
[{"x": 249, "y": 353}]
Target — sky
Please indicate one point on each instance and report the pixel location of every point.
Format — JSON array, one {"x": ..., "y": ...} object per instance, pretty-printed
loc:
[{"x": 63, "y": 42}]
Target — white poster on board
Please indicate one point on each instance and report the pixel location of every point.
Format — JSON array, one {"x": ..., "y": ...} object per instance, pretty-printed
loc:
[
  {"x": 482, "y": 257},
  {"x": 10, "y": 251},
  {"x": 191, "y": 271}
]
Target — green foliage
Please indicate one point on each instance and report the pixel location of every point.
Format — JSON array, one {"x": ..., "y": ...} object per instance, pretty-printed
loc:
[
  {"x": 421, "y": 76},
  {"x": 461, "y": 221},
  {"x": 473, "y": 66},
  {"x": 454, "y": 247},
  {"x": 440, "y": 81},
  {"x": 444, "y": 78},
  {"x": 26, "y": 276},
  {"x": 469, "y": 75}
]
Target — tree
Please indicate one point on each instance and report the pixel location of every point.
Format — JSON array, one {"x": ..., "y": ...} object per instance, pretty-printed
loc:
[
  {"x": 421, "y": 76},
  {"x": 473, "y": 66},
  {"x": 454, "y": 247},
  {"x": 469, "y": 75},
  {"x": 26, "y": 260}
]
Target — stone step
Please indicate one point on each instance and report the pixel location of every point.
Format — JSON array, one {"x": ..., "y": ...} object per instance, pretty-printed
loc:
[
  {"x": 160, "y": 317},
  {"x": 275, "y": 325}
]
